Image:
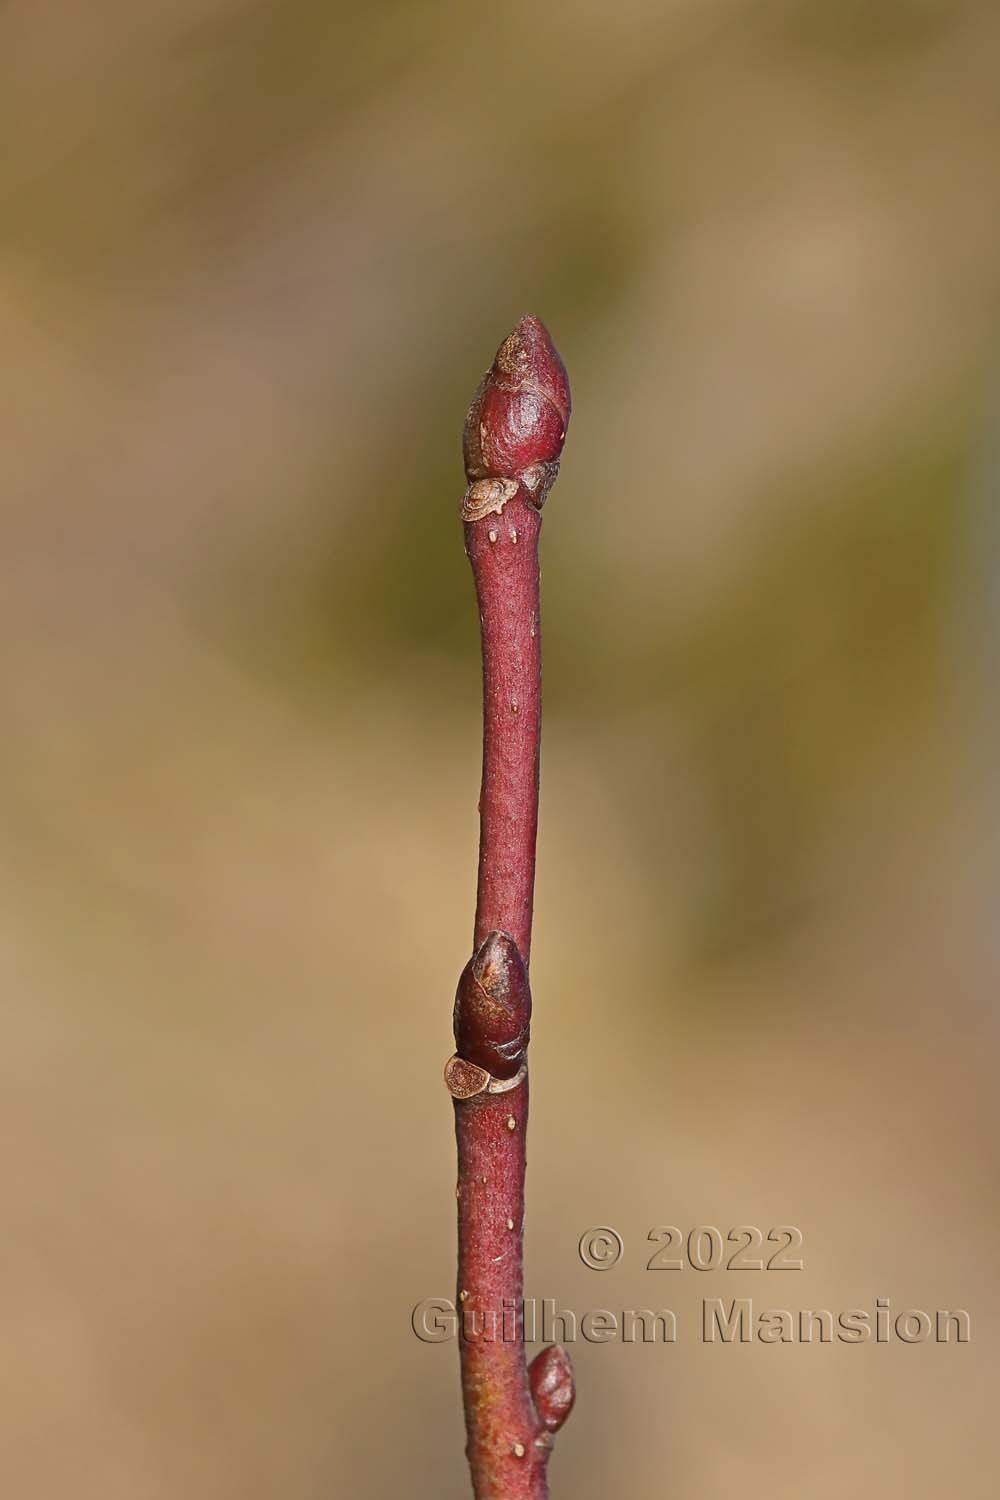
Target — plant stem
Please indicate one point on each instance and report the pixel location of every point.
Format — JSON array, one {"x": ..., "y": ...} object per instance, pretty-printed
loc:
[{"x": 513, "y": 438}]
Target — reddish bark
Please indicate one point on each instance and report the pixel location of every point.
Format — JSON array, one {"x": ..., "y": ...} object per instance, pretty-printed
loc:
[
  {"x": 514, "y": 434},
  {"x": 513, "y": 438}
]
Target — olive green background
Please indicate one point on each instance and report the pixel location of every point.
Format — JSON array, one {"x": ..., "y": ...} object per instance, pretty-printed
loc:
[{"x": 254, "y": 258}]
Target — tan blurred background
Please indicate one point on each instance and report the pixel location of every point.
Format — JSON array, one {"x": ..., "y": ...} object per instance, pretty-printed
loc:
[{"x": 254, "y": 258}]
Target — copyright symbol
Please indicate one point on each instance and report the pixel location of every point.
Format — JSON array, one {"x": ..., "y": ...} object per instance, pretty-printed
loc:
[{"x": 600, "y": 1248}]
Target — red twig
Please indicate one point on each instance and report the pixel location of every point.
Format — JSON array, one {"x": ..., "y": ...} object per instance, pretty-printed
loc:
[{"x": 513, "y": 438}]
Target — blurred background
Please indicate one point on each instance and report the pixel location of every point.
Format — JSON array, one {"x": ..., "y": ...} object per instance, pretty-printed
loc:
[{"x": 255, "y": 257}]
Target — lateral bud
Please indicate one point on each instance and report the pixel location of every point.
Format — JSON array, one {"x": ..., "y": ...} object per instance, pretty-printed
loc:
[
  {"x": 550, "y": 1378},
  {"x": 493, "y": 1008}
]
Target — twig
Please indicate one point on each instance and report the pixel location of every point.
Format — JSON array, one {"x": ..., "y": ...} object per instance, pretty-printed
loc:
[{"x": 513, "y": 438}]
